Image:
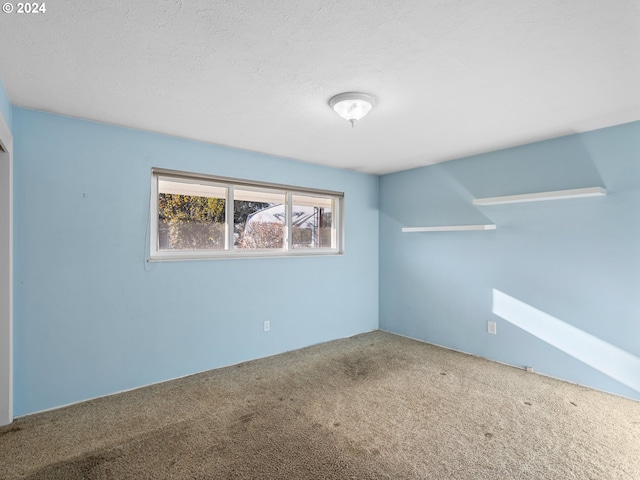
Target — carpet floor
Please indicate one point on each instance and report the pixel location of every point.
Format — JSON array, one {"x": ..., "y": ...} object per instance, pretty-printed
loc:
[{"x": 374, "y": 406}]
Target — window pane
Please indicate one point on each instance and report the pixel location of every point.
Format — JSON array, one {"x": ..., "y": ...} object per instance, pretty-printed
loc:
[
  {"x": 191, "y": 216},
  {"x": 258, "y": 219},
  {"x": 202, "y": 216},
  {"x": 312, "y": 222}
]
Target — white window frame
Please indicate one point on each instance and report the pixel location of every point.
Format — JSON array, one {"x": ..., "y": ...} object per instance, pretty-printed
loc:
[{"x": 156, "y": 254}]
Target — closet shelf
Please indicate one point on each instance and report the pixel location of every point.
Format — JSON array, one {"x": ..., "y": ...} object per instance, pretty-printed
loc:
[
  {"x": 449, "y": 228},
  {"x": 542, "y": 196}
]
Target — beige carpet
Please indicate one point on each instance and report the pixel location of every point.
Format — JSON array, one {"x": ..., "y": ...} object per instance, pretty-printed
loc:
[{"x": 375, "y": 406}]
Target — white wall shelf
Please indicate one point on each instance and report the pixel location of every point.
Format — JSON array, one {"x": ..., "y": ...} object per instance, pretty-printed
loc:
[
  {"x": 542, "y": 196},
  {"x": 448, "y": 228}
]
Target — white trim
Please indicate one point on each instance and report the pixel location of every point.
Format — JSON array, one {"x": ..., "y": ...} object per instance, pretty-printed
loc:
[
  {"x": 6, "y": 315},
  {"x": 449, "y": 228},
  {"x": 334, "y": 226},
  {"x": 589, "y": 349},
  {"x": 340, "y": 237},
  {"x": 526, "y": 368},
  {"x": 288, "y": 231},
  {"x": 315, "y": 252},
  {"x": 542, "y": 196},
  {"x": 228, "y": 231},
  {"x": 239, "y": 182},
  {"x": 153, "y": 216},
  {"x": 200, "y": 372},
  {"x": 230, "y": 251}
]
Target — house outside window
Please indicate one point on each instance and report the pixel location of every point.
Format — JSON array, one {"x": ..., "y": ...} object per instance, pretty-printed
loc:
[{"x": 200, "y": 216}]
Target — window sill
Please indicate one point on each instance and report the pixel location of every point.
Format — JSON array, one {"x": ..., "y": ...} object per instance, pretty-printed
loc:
[{"x": 244, "y": 255}]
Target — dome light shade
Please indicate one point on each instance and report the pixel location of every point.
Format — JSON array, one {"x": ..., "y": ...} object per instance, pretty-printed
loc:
[{"x": 352, "y": 106}]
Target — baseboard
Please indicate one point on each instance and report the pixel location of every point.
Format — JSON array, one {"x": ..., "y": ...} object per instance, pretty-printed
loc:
[
  {"x": 183, "y": 376},
  {"x": 512, "y": 366}
]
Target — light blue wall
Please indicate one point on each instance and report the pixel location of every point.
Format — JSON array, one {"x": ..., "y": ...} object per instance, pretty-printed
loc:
[
  {"x": 577, "y": 260},
  {"x": 5, "y": 107},
  {"x": 91, "y": 318}
]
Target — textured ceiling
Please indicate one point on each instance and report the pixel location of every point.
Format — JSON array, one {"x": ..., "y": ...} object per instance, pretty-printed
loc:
[{"x": 452, "y": 78}]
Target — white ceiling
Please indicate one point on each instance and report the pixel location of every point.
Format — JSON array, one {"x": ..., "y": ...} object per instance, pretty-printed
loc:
[{"x": 452, "y": 78}]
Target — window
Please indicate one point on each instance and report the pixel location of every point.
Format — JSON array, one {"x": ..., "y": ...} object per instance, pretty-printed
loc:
[
  {"x": 198, "y": 216},
  {"x": 311, "y": 221}
]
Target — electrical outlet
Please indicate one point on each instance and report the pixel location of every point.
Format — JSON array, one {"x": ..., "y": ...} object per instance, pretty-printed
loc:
[
  {"x": 267, "y": 325},
  {"x": 491, "y": 327}
]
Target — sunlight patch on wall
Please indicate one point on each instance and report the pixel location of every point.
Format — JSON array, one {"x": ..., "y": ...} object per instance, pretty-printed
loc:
[{"x": 595, "y": 352}]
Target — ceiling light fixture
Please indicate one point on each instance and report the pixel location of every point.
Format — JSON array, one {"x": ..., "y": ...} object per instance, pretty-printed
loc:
[{"x": 352, "y": 106}]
